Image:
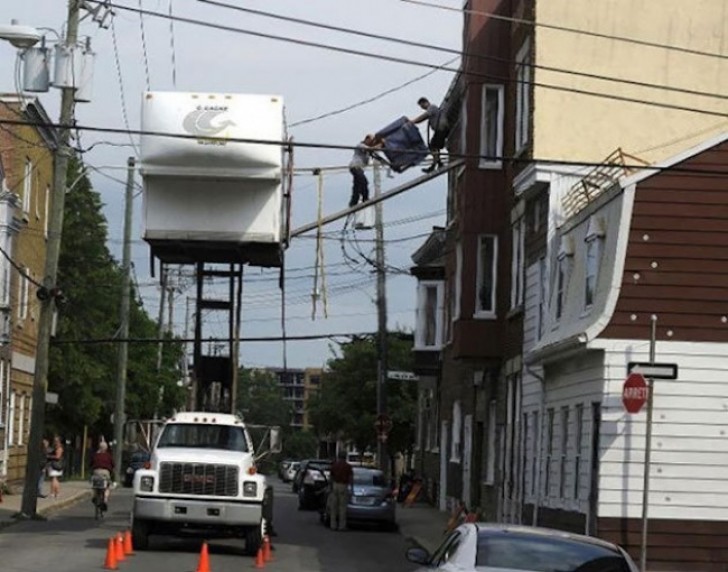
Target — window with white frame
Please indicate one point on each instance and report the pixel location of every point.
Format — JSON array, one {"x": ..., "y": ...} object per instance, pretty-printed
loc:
[
  {"x": 594, "y": 240},
  {"x": 491, "y": 127},
  {"x": 428, "y": 329},
  {"x": 491, "y": 444},
  {"x": 578, "y": 442},
  {"x": 549, "y": 452},
  {"x": 46, "y": 212},
  {"x": 543, "y": 285},
  {"x": 518, "y": 264},
  {"x": 27, "y": 184},
  {"x": 464, "y": 124},
  {"x": 21, "y": 419},
  {"x": 523, "y": 95},
  {"x": 457, "y": 420},
  {"x": 2, "y": 393},
  {"x": 564, "y": 450},
  {"x": 458, "y": 289},
  {"x": 486, "y": 275},
  {"x": 535, "y": 451},
  {"x": 23, "y": 294},
  {"x": 11, "y": 419}
]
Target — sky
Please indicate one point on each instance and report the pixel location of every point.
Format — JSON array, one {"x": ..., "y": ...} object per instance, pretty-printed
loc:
[{"x": 154, "y": 55}]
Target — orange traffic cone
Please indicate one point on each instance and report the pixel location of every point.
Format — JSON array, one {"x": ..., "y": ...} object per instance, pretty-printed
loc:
[
  {"x": 110, "y": 562},
  {"x": 267, "y": 553},
  {"x": 204, "y": 563},
  {"x": 120, "y": 548},
  {"x": 260, "y": 559},
  {"x": 128, "y": 546}
]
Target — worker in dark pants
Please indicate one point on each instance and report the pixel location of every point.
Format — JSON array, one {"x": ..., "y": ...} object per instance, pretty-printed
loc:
[
  {"x": 360, "y": 187},
  {"x": 438, "y": 124}
]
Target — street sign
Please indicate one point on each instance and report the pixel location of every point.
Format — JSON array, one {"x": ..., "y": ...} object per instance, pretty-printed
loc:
[
  {"x": 402, "y": 375},
  {"x": 634, "y": 392},
  {"x": 653, "y": 370},
  {"x": 51, "y": 398}
]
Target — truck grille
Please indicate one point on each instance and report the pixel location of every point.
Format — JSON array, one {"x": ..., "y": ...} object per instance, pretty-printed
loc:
[{"x": 198, "y": 479}]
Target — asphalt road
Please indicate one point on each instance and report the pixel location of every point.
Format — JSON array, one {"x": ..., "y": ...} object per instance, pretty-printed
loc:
[{"x": 72, "y": 541}]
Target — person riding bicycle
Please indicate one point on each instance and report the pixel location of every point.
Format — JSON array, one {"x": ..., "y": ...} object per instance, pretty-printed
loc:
[{"x": 102, "y": 464}]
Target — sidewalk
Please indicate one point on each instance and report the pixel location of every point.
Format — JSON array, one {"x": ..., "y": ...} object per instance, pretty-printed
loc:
[
  {"x": 71, "y": 493},
  {"x": 422, "y": 524}
]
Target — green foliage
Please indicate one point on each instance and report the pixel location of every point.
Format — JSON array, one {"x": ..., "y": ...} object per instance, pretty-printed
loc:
[
  {"x": 346, "y": 403},
  {"x": 299, "y": 445},
  {"x": 260, "y": 400},
  {"x": 84, "y": 375}
]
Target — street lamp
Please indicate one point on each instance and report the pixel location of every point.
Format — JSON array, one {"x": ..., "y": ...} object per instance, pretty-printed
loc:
[{"x": 22, "y": 37}]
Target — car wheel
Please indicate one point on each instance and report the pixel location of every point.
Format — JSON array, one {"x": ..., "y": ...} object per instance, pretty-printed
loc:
[
  {"x": 254, "y": 538},
  {"x": 140, "y": 534}
]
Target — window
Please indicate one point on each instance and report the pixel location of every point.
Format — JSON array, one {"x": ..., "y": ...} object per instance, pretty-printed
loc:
[
  {"x": 2, "y": 393},
  {"x": 563, "y": 268},
  {"x": 21, "y": 418},
  {"x": 491, "y": 127},
  {"x": 11, "y": 418},
  {"x": 543, "y": 285},
  {"x": 23, "y": 286},
  {"x": 564, "y": 449},
  {"x": 517, "y": 264},
  {"x": 27, "y": 184},
  {"x": 549, "y": 452},
  {"x": 490, "y": 453},
  {"x": 46, "y": 212},
  {"x": 535, "y": 452},
  {"x": 464, "y": 125},
  {"x": 458, "y": 282},
  {"x": 487, "y": 272},
  {"x": 578, "y": 441},
  {"x": 523, "y": 96},
  {"x": 428, "y": 328},
  {"x": 455, "y": 451},
  {"x": 594, "y": 238}
]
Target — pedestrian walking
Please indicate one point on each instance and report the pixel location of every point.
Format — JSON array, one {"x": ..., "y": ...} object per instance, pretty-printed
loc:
[
  {"x": 342, "y": 476},
  {"x": 44, "y": 452},
  {"x": 438, "y": 124},
  {"x": 55, "y": 465}
]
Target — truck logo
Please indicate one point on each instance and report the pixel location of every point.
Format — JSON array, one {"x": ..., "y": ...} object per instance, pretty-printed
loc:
[
  {"x": 198, "y": 479},
  {"x": 200, "y": 122}
]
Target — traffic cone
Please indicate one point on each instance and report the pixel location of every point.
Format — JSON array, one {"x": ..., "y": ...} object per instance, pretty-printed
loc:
[
  {"x": 110, "y": 562},
  {"x": 128, "y": 546},
  {"x": 204, "y": 563},
  {"x": 260, "y": 559},
  {"x": 120, "y": 548},
  {"x": 267, "y": 554}
]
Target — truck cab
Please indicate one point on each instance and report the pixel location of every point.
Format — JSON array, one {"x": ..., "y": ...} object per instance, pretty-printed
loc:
[{"x": 202, "y": 477}]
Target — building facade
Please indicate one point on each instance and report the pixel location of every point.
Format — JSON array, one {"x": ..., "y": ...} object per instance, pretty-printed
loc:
[
  {"x": 27, "y": 154},
  {"x": 297, "y": 386}
]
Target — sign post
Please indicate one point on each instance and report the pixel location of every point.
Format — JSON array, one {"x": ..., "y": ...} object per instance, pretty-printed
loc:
[{"x": 648, "y": 449}]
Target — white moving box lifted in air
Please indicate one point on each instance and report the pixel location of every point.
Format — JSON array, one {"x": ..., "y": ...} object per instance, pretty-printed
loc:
[{"x": 207, "y": 196}]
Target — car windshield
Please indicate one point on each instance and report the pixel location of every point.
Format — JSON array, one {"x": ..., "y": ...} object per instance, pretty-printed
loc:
[
  {"x": 199, "y": 436},
  {"x": 369, "y": 478},
  {"x": 536, "y": 553}
]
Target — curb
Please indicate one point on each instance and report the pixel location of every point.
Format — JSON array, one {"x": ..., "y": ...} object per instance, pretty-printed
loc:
[{"x": 48, "y": 510}]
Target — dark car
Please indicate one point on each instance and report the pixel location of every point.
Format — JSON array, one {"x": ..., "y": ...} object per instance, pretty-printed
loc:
[
  {"x": 138, "y": 460},
  {"x": 310, "y": 483},
  {"x": 372, "y": 501}
]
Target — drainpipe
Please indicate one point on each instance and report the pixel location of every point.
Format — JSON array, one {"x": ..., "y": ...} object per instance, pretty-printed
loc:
[{"x": 539, "y": 445}]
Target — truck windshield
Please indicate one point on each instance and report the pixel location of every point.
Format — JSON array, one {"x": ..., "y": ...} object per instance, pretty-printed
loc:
[{"x": 200, "y": 436}]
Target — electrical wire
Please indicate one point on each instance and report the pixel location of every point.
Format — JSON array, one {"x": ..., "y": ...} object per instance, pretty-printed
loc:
[
  {"x": 459, "y": 53},
  {"x": 399, "y": 60},
  {"x": 144, "y": 43},
  {"x": 559, "y": 28},
  {"x": 300, "y": 338},
  {"x": 120, "y": 79},
  {"x": 171, "y": 46},
  {"x": 20, "y": 270}
]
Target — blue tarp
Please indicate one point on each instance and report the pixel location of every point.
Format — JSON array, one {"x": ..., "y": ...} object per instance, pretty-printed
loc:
[{"x": 403, "y": 145}]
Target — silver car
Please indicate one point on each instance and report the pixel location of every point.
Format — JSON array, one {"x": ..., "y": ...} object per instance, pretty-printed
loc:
[
  {"x": 484, "y": 547},
  {"x": 290, "y": 472},
  {"x": 372, "y": 500}
]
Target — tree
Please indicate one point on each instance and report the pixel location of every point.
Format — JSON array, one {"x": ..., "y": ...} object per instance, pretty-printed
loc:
[
  {"x": 84, "y": 374},
  {"x": 260, "y": 400},
  {"x": 299, "y": 445},
  {"x": 346, "y": 403}
]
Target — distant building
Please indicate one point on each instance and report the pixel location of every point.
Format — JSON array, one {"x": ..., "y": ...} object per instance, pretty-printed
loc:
[{"x": 297, "y": 386}]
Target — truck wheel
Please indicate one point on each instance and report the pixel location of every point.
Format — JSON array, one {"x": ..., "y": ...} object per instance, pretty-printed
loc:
[
  {"x": 140, "y": 534},
  {"x": 254, "y": 538}
]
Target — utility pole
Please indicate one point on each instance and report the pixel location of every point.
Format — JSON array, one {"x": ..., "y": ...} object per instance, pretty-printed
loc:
[
  {"x": 648, "y": 448},
  {"x": 160, "y": 317},
  {"x": 120, "y": 409},
  {"x": 382, "y": 341},
  {"x": 50, "y": 289}
]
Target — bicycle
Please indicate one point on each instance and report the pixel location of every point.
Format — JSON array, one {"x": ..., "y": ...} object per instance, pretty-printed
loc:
[{"x": 99, "y": 485}]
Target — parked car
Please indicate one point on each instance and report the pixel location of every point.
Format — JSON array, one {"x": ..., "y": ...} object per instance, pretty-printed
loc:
[
  {"x": 290, "y": 473},
  {"x": 311, "y": 482},
  {"x": 372, "y": 500},
  {"x": 283, "y": 469},
  {"x": 494, "y": 547},
  {"x": 138, "y": 460}
]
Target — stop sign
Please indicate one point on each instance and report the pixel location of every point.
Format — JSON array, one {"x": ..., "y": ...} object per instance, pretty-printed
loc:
[{"x": 634, "y": 392}]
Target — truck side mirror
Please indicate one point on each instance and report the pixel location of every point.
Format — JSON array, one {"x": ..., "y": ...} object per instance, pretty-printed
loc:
[{"x": 276, "y": 443}]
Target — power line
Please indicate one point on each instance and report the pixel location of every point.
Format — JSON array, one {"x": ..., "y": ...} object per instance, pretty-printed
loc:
[
  {"x": 120, "y": 79},
  {"x": 571, "y": 30},
  {"x": 465, "y": 56},
  {"x": 507, "y": 159},
  {"x": 399, "y": 60},
  {"x": 301, "y": 338},
  {"x": 171, "y": 46},
  {"x": 144, "y": 43}
]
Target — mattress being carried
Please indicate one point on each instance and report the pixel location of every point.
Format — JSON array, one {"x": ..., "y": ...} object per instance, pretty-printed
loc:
[{"x": 403, "y": 144}]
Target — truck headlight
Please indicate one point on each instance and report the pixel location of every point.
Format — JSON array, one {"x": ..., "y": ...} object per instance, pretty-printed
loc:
[
  {"x": 250, "y": 489},
  {"x": 146, "y": 484}
]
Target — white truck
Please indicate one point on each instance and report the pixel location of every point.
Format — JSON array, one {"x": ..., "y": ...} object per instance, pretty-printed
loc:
[{"x": 202, "y": 479}]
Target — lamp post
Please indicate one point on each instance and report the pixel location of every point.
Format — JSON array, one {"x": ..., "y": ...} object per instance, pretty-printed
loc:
[{"x": 25, "y": 37}]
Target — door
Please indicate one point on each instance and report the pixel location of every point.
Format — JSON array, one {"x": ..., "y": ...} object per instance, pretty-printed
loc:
[
  {"x": 594, "y": 469},
  {"x": 467, "y": 460},
  {"x": 442, "y": 501}
]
